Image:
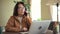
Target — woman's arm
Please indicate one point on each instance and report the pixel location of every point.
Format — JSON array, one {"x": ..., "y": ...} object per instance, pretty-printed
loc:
[
  {"x": 29, "y": 20},
  {"x": 26, "y": 25},
  {"x": 10, "y": 26}
]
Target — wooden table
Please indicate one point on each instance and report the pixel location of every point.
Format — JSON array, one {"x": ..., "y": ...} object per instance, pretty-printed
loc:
[
  {"x": 14, "y": 33},
  {"x": 23, "y": 33},
  {"x": 11, "y": 33}
]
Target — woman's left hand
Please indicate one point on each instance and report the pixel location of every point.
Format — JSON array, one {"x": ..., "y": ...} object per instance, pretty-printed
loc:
[{"x": 25, "y": 29}]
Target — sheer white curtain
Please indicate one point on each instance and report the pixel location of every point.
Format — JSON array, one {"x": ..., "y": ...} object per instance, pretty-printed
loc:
[
  {"x": 54, "y": 12},
  {"x": 59, "y": 13},
  {"x": 35, "y": 9}
]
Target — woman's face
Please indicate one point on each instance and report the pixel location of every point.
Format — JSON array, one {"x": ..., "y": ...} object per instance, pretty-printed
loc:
[{"x": 21, "y": 9}]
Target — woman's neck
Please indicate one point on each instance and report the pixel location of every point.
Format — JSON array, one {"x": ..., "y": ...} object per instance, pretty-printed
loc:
[{"x": 20, "y": 15}]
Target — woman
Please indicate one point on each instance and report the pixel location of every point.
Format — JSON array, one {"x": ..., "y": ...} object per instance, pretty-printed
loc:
[{"x": 19, "y": 21}]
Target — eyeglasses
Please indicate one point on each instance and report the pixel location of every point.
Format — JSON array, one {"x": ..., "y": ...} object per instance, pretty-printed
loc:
[{"x": 21, "y": 7}]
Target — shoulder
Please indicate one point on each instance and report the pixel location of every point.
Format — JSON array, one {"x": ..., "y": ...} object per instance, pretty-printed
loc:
[{"x": 11, "y": 17}]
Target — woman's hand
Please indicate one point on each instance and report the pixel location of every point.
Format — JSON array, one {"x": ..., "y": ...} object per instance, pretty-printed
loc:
[{"x": 25, "y": 29}]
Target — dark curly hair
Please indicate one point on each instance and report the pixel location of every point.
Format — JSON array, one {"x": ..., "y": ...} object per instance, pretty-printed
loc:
[{"x": 15, "y": 13}]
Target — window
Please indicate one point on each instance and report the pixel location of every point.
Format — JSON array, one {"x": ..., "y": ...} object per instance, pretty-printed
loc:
[
  {"x": 54, "y": 12},
  {"x": 36, "y": 9}
]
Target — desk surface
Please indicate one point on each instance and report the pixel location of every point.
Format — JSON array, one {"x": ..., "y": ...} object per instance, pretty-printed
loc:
[
  {"x": 15, "y": 33},
  {"x": 11, "y": 33},
  {"x": 48, "y": 32}
]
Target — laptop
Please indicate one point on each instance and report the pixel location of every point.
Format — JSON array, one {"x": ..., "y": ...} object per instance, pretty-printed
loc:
[{"x": 39, "y": 27}]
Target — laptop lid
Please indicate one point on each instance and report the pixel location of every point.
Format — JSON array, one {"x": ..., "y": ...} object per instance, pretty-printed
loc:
[{"x": 39, "y": 27}]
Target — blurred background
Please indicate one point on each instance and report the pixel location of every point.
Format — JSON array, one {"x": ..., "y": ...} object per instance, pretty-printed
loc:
[{"x": 37, "y": 10}]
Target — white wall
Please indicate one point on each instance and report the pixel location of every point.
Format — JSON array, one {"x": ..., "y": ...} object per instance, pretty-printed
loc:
[
  {"x": 6, "y": 10},
  {"x": 0, "y": 12}
]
